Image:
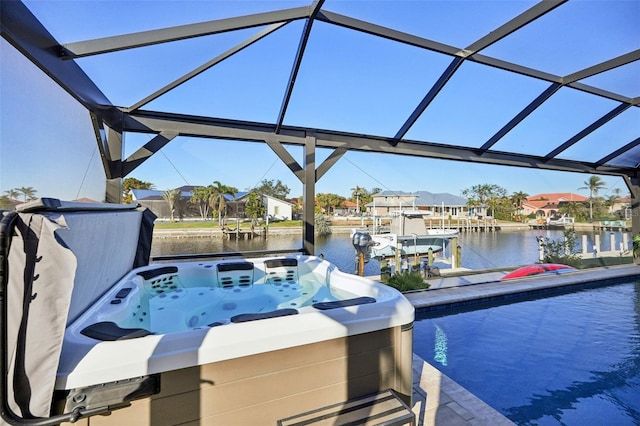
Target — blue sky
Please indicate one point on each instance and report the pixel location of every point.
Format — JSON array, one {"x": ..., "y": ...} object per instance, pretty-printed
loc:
[{"x": 349, "y": 81}]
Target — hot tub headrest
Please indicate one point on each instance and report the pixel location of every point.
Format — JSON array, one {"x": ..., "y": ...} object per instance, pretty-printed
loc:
[
  {"x": 235, "y": 275},
  {"x": 153, "y": 273},
  {"x": 279, "y": 271},
  {"x": 274, "y": 263},
  {"x": 235, "y": 266},
  {"x": 160, "y": 280}
]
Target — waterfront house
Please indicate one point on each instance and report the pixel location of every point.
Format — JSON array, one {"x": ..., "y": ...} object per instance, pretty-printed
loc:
[
  {"x": 275, "y": 208},
  {"x": 235, "y": 204},
  {"x": 548, "y": 205},
  {"x": 153, "y": 200},
  {"x": 386, "y": 202}
]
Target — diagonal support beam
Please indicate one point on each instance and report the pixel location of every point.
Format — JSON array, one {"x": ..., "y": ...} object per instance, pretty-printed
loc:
[
  {"x": 144, "y": 153},
  {"x": 604, "y": 66},
  {"x": 302, "y": 45},
  {"x": 286, "y": 158},
  {"x": 614, "y": 154},
  {"x": 332, "y": 159},
  {"x": 182, "y": 32},
  {"x": 202, "y": 68},
  {"x": 515, "y": 24},
  {"x": 429, "y": 97},
  {"x": 588, "y": 130},
  {"x": 521, "y": 116},
  {"x": 295, "y": 167}
]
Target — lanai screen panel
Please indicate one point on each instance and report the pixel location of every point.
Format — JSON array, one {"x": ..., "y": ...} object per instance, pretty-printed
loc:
[{"x": 552, "y": 83}]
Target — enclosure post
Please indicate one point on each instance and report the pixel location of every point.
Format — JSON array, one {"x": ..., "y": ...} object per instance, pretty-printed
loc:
[
  {"x": 309, "y": 194},
  {"x": 632, "y": 184}
]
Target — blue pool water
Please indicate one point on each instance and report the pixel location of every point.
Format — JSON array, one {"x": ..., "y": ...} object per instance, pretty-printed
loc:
[{"x": 569, "y": 359}]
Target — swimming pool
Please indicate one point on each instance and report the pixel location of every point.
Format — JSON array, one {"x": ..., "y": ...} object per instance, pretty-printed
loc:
[{"x": 567, "y": 359}]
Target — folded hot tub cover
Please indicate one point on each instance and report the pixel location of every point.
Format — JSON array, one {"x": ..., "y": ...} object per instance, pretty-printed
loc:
[{"x": 58, "y": 258}]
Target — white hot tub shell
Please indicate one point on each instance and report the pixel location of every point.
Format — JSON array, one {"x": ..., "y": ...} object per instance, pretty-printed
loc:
[{"x": 306, "y": 349}]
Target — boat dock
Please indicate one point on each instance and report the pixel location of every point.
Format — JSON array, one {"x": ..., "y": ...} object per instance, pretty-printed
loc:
[
  {"x": 464, "y": 224},
  {"x": 242, "y": 233},
  {"x": 612, "y": 225},
  {"x": 600, "y": 226}
]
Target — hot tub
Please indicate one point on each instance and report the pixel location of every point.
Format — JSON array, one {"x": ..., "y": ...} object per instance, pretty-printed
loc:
[{"x": 236, "y": 342}]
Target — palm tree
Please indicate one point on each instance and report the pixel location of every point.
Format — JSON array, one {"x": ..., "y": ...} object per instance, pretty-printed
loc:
[
  {"x": 217, "y": 200},
  {"x": 132, "y": 183},
  {"x": 12, "y": 193},
  {"x": 323, "y": 203},
  {"x": 200, "y": 197},
  {"x": 612, "y": 199},
  {"x": 356, "y": 193},
  {"x": 573, "y": 209},
  {"x": 594, "y": 184},
  {"x": 172, "y": 197},
  {"x": 254, "y": 207},
  {"x": 28, "y": 192},
  {"x": 518, "y": 198}
]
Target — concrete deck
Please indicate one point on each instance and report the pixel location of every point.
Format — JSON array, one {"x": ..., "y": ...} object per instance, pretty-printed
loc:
[{"x": 438, "y": 400}]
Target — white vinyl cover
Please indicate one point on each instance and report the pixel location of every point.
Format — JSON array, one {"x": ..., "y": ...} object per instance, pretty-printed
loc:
[{"x": 59, "y": 264}]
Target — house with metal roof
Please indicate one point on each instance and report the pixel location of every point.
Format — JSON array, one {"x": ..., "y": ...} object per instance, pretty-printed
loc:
[{"x": 385, "y": 203}]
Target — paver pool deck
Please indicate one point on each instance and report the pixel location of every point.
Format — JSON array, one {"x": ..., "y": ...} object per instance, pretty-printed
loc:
[{"x": 438, "y": 400}]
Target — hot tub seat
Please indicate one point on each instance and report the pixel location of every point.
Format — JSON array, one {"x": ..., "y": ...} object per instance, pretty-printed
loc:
[
  {"x": 263, "y": 315},
  {"x": 109, "y": 331}
]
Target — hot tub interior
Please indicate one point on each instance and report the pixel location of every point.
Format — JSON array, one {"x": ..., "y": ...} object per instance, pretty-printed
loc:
[{"x": 191, "y": 295}]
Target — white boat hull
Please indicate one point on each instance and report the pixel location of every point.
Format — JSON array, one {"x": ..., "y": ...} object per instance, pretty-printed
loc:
[{"x": 386, "y": 245}]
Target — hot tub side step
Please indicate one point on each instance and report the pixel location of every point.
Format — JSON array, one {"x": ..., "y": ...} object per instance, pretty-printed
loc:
[{"x": 383, "y": 408}]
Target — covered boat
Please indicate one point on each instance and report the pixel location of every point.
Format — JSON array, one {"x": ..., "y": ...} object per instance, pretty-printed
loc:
[{"x": 409, "y": 235}]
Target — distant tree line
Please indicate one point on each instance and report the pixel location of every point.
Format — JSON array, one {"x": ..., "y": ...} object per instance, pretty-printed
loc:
[
  {"x": 211, "y": 200},
  {"x": 509, "y": 207},
  {"x": 22, "y": 194},
  {"x": 327, "y": 203}
]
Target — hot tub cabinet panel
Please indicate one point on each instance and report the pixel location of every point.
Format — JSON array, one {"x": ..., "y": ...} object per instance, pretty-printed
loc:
[{"x": 266, "y": 387}]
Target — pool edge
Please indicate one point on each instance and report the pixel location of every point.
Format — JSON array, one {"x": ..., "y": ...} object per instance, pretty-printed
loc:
[{"x": 458, "y": 292}]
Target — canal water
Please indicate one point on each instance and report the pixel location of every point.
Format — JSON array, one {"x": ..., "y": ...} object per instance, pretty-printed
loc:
[{"x": 480, "y": 250}]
